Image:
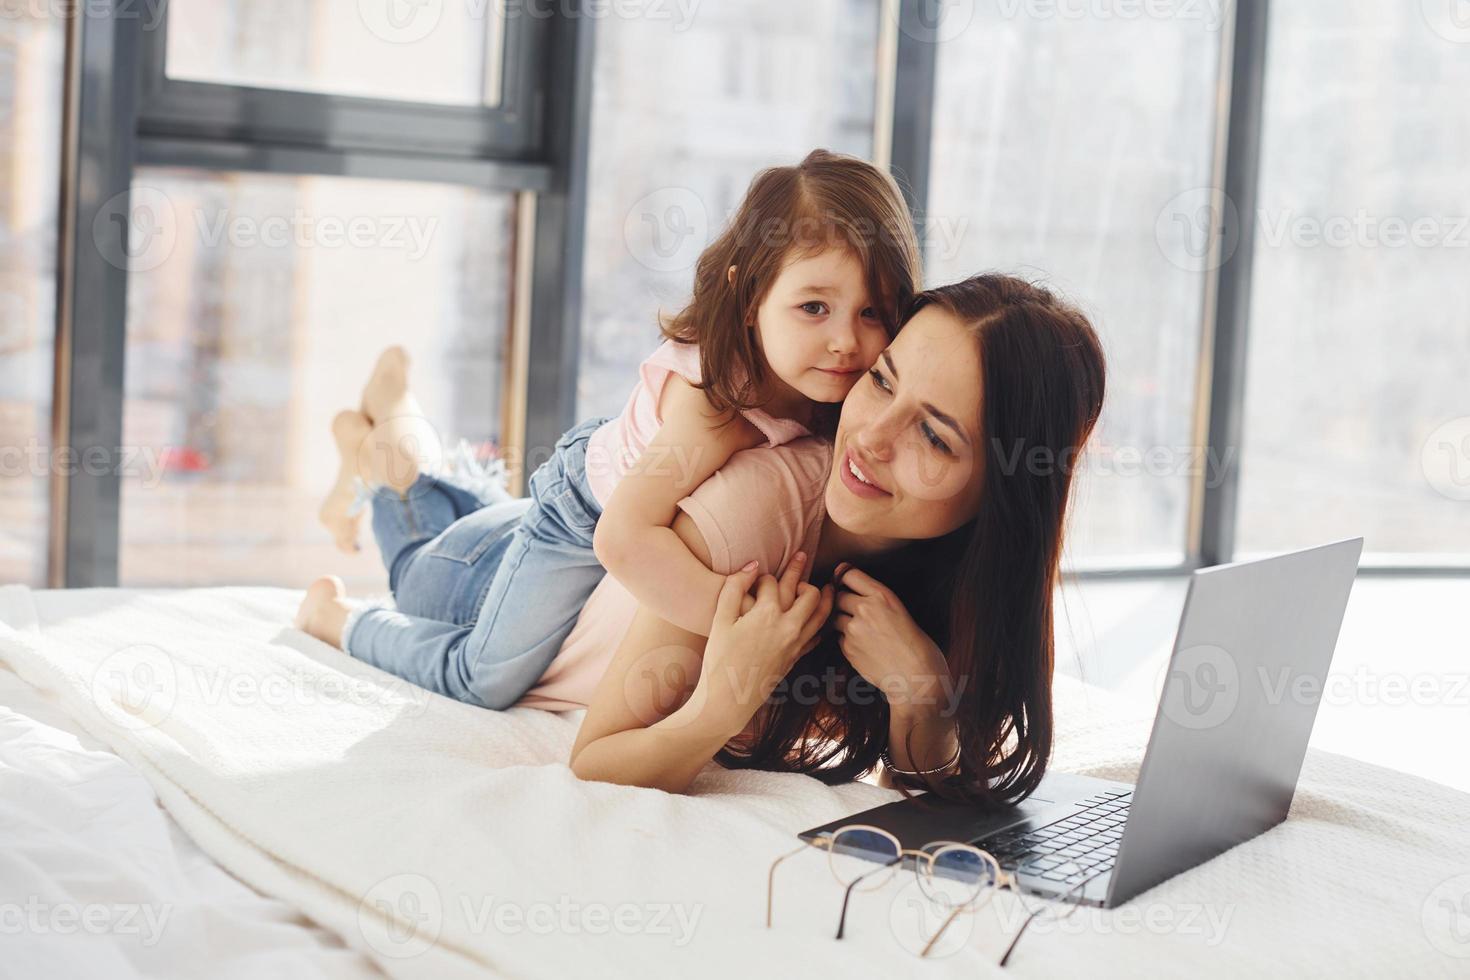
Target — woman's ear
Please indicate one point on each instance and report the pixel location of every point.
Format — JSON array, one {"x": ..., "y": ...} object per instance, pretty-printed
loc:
[{"x": 730, "y": 275}]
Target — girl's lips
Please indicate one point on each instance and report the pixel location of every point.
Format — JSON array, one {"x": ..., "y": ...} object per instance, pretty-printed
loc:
[
  {"x": 838, "y": 374},
  {"x": 858, "y": 487}
]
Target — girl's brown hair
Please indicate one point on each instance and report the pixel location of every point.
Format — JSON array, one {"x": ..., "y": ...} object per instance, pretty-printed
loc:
[
  {"x": 984, "y": 591},
  {"x": 827, "y": 200}
]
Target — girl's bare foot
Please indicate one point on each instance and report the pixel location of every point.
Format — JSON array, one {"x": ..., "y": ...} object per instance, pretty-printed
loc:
[
  {"x": 403, "y": 443},
  {"x": 323, "y": 612},
  {"x": 387, "y": 385},
  {"x": 350, "y": 430}
]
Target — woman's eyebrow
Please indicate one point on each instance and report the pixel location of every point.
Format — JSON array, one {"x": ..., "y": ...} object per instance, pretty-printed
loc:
[{"x": 941, "y": 416}]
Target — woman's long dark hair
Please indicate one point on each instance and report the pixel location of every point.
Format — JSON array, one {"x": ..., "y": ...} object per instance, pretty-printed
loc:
[{"x": 984, "y": 591}]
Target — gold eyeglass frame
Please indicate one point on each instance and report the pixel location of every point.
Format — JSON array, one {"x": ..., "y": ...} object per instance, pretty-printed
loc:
[{"x": 1000, "y": 879}]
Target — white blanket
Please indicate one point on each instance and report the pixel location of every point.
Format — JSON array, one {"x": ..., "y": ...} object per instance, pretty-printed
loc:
[{"x": 447, "y": 841}]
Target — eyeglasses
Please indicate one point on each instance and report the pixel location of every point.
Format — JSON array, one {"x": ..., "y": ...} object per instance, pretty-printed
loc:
[{"x": 959, "y": 875}]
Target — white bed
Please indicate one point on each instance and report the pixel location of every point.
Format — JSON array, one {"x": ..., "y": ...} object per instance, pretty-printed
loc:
[{"x": 162, "y": 751}]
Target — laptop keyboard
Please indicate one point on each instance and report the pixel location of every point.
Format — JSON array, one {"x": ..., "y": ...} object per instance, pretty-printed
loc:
[{"x": 1069, "y": 850}]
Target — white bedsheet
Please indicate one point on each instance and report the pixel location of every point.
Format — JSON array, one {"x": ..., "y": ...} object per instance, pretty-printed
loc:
[
  {"x": 97, "y": 880},
  {"x": 444, "y": 841}
]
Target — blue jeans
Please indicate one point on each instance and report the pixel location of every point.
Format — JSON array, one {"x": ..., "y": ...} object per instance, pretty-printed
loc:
[{"x": 486, "y": 586}]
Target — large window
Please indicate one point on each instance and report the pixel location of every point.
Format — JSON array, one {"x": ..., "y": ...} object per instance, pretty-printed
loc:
[
  {"x": 256, "y": 307},
  {"x": 518, "y": 191},
  {"x": 684, "y": 113},
  {"x": 31, "y": 72},
  {"x": 1357, "y": 409},
  {"x": 1064, "y": 147}
]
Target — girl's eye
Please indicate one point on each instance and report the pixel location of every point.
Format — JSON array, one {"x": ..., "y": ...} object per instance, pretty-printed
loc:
[
  {"x": 933, "y": 438},
  {"x": 870, "y": 314},
  {"x": 878, "y": 380},
  {"x": 820, "y": 307}
]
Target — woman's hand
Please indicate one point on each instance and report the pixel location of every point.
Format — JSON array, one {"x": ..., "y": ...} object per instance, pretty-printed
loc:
[
  {"x": 753, "y": 643},
  {"x": 884, "y": 644}
]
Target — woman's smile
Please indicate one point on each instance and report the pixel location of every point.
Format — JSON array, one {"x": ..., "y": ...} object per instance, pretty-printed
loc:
[{"x": 858, "y": 480}]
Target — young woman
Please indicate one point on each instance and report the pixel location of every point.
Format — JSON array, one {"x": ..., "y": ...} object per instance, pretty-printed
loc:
[
  {"x": 948, "y": 483},
  {"x": 950, "y": 475}
]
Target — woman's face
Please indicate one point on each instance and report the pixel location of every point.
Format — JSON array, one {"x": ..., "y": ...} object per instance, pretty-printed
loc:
[{"x": 911, "y": 427}]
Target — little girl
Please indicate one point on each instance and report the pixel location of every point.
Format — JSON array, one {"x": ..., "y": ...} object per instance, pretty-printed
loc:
[{"x": 791, "y": 305}]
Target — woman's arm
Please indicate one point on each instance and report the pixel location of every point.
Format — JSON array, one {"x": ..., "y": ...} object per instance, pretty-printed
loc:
[
  {"x": 934, "y": 739},
  {"x": 644, "y": 727},
  {"x": 884, "y": 644},
  {"x": 634, "y": 539},
  {"x": 670, "y": 699}
]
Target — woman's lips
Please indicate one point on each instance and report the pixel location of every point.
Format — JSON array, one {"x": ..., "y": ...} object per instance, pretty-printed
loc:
[{"x": 858, "y": 487}]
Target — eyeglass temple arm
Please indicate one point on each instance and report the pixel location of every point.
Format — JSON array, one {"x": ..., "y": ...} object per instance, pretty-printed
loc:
[
  {"x": 771, "y": 878},
  {"x": 1006, "y": 883},
  {"x": 846, "y": 895},
  {"x": 935, "y": 938},
  {"x": 1016, "y": 886}
]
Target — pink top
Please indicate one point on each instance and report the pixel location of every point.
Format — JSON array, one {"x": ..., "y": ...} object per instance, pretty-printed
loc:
[
  {"x": 615, "y": 447},
  {"x": 765, "y": 503}
]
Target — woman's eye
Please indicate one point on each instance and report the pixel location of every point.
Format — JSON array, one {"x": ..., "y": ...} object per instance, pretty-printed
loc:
[
  {"x": 878, "y": 380},
  {"x": 820, "y": 308},
  {"x": 933, "y": 438},
  {"x": 870, "y": 314}
]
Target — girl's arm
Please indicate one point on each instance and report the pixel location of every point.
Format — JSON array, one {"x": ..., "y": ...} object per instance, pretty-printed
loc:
[
  {"x": 670, "y": 699},
  {"x": 634, "y": 539}
]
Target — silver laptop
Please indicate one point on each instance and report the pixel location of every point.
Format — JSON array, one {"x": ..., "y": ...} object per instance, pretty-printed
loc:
[{"x": 1249, "y": 665}]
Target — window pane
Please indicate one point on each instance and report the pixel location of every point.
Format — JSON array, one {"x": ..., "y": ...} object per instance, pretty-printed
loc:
[
  {"x": 386, "y": 49},
  {"x": 735, "y": 89},
  {"x": 1357, "y": 407},
  {"x": 1062, "y": 146},
  {"x": 31, "y": 70},
  {"x": 256, "y": 308}
]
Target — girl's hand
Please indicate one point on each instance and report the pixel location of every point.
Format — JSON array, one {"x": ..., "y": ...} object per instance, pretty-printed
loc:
[
  {"x": 884, "y": 644},
  {"x": 753, "y": 643}
]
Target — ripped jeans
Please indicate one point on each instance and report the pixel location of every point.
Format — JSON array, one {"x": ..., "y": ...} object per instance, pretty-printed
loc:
[{"x": 486, "y": 586}]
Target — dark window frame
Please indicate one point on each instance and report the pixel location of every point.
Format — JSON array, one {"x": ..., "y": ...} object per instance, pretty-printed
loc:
[
  {"x": 123, "y": 112},
  {"x": 513, "y": 129}
]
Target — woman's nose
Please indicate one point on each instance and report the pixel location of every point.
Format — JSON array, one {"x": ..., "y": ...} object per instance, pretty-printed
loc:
[{"x": 876, "y": 437}]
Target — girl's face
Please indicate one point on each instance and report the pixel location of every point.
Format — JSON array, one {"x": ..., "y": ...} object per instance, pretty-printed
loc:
[
  {"x": 818, "y": 328},
  {"x": 911, "y": 428}
]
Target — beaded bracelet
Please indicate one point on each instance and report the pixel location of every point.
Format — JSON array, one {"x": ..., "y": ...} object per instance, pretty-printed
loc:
[{"x": 887, "y": 762}]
